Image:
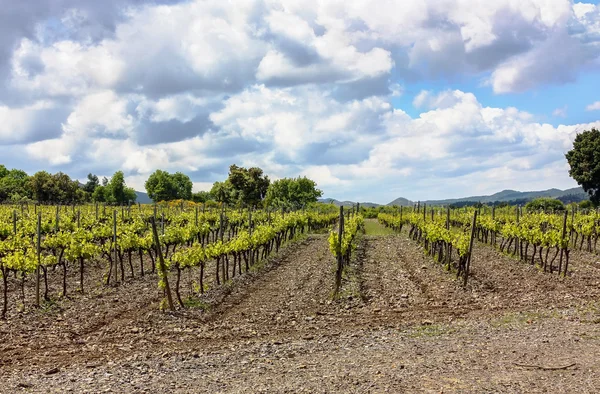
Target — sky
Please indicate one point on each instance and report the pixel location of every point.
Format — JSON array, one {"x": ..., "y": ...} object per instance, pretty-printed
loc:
[{"x": 372, "y": 100}]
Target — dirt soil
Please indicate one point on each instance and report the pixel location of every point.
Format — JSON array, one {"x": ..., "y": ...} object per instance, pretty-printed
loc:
[{"x": 402, "y": 324}]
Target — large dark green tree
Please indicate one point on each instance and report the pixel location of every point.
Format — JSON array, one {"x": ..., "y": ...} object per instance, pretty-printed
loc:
[
  {"x": 249, "y": 185},
  {"x": 14, "y": 185},
  {"x": 92, "y": 183},
  {"x": 162, "y": 186},
  {"x": 114, "y": 191},
  {"x": 584, "y": 160},
  {"x": 183, "y": 186},
  {"x": 42, "y": 187},
  {"x": 65, "y": 189},
  {"x": 223, "y": 192},
  {"x": 292, "y": 193}
]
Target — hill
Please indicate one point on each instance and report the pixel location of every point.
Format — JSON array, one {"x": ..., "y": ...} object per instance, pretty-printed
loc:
[
  {"x": 574, "y": 194},
  {"x": 346, "y": 203},
  {"x": 143, "y": 198},
  {"x": 513, "y": 197}
]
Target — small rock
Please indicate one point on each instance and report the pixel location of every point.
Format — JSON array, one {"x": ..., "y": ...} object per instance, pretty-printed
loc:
[
  {"x": 25, "y": 385},
  {"x": 427, "y": 322},
  {"x": 423, "y": 267},
  {"x": 404, "y": 296},
  {"x": 52, "y": 371}
]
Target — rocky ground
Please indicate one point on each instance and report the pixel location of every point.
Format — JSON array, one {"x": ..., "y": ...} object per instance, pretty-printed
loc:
[{"x": 402, "y": 324}]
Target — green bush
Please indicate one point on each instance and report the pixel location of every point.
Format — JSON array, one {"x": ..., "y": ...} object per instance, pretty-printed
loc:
[{"x": 545, "y": 204}]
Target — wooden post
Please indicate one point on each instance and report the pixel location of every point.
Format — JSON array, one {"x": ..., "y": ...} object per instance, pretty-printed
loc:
[
  {"x": 196, "y": 216},
  {"x": 563, "y": 248},
  {"x": 340, "y": 261},
  {"x": 571, "y": 238},
  {"x": 448, "y": 217},
  {"x": 39, "y": 258},
  {"x": 57, "y": 217},
  {"x": 250, "y": 232},
  {"x": 517, "y": 238},
  {"x": 162, "y": 266},
  {"x": 96, "y": 211},
  {"x": 221, "y": 223},
  {"x": 78, "y": 218},
  {"x": 162, "y": 223},
  {"x": 115, "y": 244},
  {"x": 468, "y": 264},
  {"x": 14, "y": 221},
  {"x": 424, "y": 212}
]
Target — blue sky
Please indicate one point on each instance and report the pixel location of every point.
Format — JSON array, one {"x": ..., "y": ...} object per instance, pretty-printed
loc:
[
  {"x": 420, "y": 99},
  {"x": 572, "y": 98}
]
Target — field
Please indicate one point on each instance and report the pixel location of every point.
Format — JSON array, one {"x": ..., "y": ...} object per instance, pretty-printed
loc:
[{"x": 399, "y": 323}]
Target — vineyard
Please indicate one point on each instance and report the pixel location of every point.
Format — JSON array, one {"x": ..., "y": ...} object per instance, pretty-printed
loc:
[
  {"x": 186, "y": 298},
  {"x": 172, "y": 239}
]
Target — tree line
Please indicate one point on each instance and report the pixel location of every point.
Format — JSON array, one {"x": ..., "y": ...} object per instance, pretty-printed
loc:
[
  {"x": 17, "y": 186},
  {"x": 248, "y": 187}
]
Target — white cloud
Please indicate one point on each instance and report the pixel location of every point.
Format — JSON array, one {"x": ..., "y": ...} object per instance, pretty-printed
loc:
[
  {"x": 593, "y": 107},
  {"x": 560, "y": 112},
  {"x": 101, "y": 112}
]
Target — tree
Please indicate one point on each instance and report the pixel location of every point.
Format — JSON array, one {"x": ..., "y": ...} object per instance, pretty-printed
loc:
[
  {"x": 130, "y": 195},
  {"x": 202, "y": 197},
  {"x": 584, "y": 160},
  {"x": 115, "y": 191},
  {"x": 292, "y": 193},
  {"x": 223, "y": 192},
  {"x": 91, "y": 184},
  {"x": 249, "y": 185},
  {"x": 65, "y": 189},
  {"x": 42, "y": 187},
  {"x": 545, "y": 204},
  {"x": 117, "y": 187},
  {"x": 183, "y": 186},
  {"x": 14, "y": 185},
  {"x": 160, "y": 186},
  {"x": 100, "y": 194},
  {"x": 3, "y": 171}
]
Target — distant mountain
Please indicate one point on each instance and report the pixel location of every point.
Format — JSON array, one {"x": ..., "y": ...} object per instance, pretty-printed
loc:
[
  {"x": 401, "y": 202},
  {"x": 143, "y": 198},
  {"x": 574, "y": 194},
  {"x": 346, "y": 203}
]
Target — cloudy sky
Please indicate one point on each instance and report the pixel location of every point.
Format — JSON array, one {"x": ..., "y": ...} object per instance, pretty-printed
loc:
[{"x": 373, "y": 100}]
